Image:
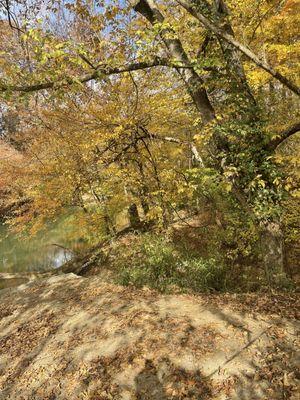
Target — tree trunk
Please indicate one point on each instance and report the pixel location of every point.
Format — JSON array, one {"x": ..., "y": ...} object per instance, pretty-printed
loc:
[
  {"x": 271, "y": 235},
  {"x": 133, "y": 214},
  {"x": 220, "y": 32},
  {"x": 145, "y": 205},
  {"x": 272, "y": 249},
  {"x": 194, "y": 83},
  {"x": 232, "y": 57}
]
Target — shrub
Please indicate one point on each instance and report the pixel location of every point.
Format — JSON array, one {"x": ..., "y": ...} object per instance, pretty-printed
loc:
[
  {"x": 200, "y": 274},
  {"x": 161, "y": 266}
]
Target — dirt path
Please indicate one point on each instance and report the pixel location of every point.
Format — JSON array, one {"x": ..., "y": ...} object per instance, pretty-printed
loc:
[{"x": 68, "y": 337}]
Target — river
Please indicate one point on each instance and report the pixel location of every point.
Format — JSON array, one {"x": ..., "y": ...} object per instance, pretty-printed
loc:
[{"x": 42, "y": 252}]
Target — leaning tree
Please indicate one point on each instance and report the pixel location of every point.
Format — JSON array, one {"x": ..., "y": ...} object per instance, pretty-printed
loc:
[{"x": 238, "y": 146}]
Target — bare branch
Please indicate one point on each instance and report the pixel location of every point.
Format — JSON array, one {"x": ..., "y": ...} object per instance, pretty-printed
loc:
[
  {"x": 265, "y": 15},
  {"x": 11, "y": 18},
  {"x": 87, "y": 61},
  {"x": 177, "y": 141}
]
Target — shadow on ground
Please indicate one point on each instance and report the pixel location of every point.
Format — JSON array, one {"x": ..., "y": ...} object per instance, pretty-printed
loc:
[{"x": 68, "y": 337}]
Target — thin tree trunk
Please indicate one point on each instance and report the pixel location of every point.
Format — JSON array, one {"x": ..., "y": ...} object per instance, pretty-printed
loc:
[
  {"x": 133, "y": 215},
  {"x": 144, "y": 190}
]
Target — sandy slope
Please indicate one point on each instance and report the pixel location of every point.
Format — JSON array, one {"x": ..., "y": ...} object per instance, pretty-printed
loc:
[{"x": 68, "y": 337}]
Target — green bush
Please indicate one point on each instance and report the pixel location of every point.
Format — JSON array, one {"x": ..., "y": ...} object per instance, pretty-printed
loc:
[
  {"x": 200, "y": 275},
  {"x": 161, "y": 266}
]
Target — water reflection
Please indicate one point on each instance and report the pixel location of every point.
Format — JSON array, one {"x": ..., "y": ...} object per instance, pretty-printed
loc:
[
  {"x": 43, "y": 252},
  {"x": 61, "y": 257}
]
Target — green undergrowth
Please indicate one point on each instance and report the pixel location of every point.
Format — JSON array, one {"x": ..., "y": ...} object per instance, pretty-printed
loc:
[{"x": 156, "y": 261}]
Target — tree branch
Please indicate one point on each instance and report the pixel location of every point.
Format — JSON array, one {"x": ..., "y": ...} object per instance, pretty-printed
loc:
[
  {"x": 170, "y": 139},
  {"x": 100, "y": 71},
  {"x": 11, "y": 17},
  {"x": 188, "y": 5},
  {"x": 273, "y": 144}
]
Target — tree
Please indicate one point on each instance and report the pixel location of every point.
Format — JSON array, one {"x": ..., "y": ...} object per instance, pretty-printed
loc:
[{"x": 231, "y": 120}]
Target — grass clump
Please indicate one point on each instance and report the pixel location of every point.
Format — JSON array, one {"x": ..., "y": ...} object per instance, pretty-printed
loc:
[{"x": 157, "y": 263}]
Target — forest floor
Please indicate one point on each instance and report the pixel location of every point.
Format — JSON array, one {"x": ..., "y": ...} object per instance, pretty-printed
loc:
[{"x": 70, "y": 337}]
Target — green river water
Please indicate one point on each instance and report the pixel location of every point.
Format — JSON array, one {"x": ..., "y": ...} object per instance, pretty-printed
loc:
[{"x": 39, "y": 253}]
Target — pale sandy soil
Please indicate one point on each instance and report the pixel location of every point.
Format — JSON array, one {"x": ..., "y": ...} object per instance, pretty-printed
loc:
[{"x": 68, "y": 337}]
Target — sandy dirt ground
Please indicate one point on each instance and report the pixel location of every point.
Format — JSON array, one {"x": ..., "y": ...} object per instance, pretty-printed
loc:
[{"x": 68, "y": 337}]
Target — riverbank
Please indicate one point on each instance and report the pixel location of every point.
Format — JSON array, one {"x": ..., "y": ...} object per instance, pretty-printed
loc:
[
  {"x": 73, "y": 334},
  {"x": 69, "y": 337}
]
